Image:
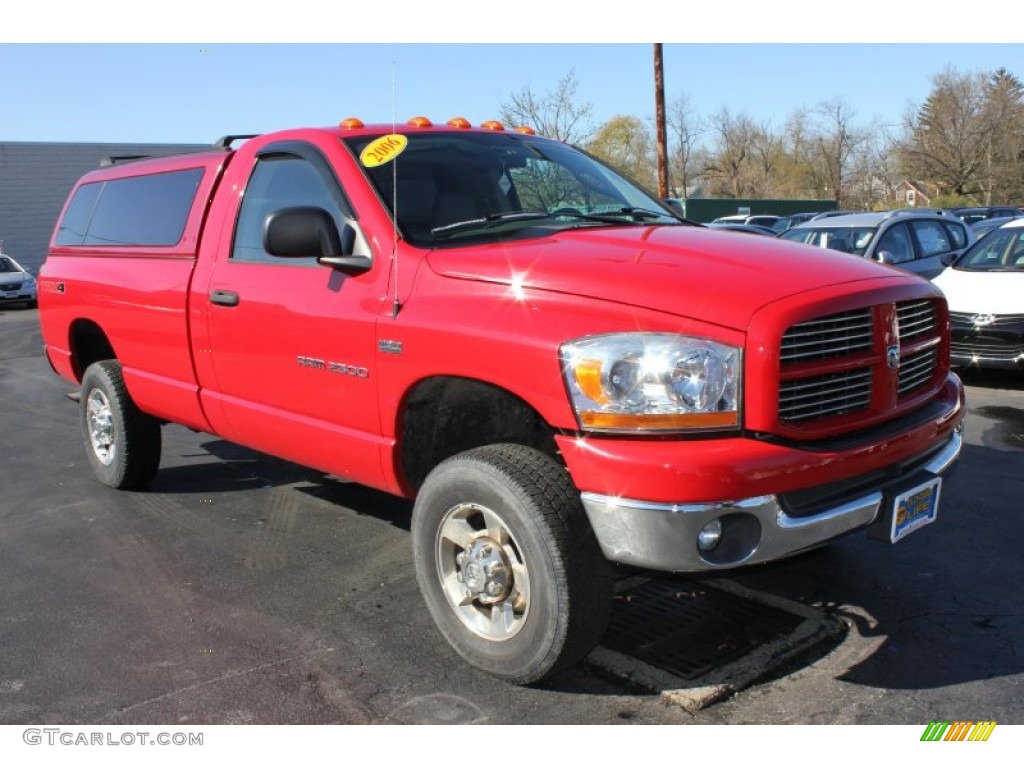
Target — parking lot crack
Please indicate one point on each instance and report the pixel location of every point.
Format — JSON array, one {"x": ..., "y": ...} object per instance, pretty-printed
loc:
[{"x": 220, "y": 679}]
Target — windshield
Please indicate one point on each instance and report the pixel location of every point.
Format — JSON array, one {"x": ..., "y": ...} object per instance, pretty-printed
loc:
[
  {"x": 1001, "y": 250},
  {"x": 453, "y": 187},
  {"x": 7, "y": 265},
  {"x": 846, "y": 239}
]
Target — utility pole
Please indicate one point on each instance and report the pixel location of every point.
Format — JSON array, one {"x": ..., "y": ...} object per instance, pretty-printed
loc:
[{"x": 659, "y": 118}]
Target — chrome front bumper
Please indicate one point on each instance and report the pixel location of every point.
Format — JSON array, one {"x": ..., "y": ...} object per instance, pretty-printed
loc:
[{"x": 755, "y": 530}]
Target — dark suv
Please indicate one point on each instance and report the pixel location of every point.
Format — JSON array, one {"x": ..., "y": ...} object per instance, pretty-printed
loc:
[
  {"x": 980, "y": 213},
  {"x": 920, "y": 241}
]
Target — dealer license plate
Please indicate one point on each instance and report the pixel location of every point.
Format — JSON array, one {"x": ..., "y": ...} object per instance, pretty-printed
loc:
[
  {"x": 915, "y": 509},
  {"x": 10, "y": 294}
]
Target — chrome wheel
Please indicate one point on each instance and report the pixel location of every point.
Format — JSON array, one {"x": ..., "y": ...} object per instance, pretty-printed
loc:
[
  {"x": 482, "y": 572},
  {"x": 101, "y": 427}
]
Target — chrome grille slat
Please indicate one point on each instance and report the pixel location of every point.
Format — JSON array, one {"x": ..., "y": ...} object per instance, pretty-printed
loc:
[
  {"x": 793, "y": 392},
  {"x": 917, "y": 370},
  {"x": 833, "y": 335},
  {"x": 828, "y": 395},
  {"x": 996, "y": 349},
  {"x": 916, "y": 318}
]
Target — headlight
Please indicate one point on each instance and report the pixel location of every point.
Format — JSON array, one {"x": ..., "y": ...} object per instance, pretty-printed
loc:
[{"x": 652, "y": 381}]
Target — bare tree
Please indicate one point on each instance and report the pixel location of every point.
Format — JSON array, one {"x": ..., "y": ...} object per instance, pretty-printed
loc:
[
  {"x": 948, "y": 136},
  {"x": 838, "y": 142},
  {"x": 685, "y": 130},
  {"x": 556, "y": 113},
  {"x": 728, "y": 163},
  {"x": 766, "y": 156}
]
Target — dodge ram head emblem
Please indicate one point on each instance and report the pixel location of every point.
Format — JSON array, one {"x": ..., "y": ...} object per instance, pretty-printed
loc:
[
  {"x": 892, "y": 356},
  {"x": 983, "y": 320}
]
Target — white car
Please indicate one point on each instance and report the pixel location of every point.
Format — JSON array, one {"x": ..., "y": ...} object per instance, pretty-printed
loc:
[
  {"x": 16, "y": 283},
  {"x": 985, "y": 291}
]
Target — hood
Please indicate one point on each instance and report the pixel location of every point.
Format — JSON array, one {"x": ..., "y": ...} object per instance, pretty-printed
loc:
[
  {"x": 991, "y": 293},
  {"x": 722, "y": 277}
]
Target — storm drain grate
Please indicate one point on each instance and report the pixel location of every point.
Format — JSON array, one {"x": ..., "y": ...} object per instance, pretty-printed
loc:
[{"x": 689, "y": 629}]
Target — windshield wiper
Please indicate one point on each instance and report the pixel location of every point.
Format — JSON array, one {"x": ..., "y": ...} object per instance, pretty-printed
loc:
[
  {"x": 604, "y": 217},
  {"x": 487, "y": 221}
]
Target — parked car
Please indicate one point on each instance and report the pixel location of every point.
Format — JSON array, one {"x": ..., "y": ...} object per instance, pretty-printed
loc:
[
  {"x": 985, "y": 291},
  {"x": 785, "y": 223},
  {"x": 923, "y": 242},
  {"x": 982, "y": 212},
  {"x": 984, "y": 226},
  {"x": 830, "y": 214},
  {"x": 16, "y": 283},
  {"x": 752, "y": 229},
  {"x": 760, "y": 220}
]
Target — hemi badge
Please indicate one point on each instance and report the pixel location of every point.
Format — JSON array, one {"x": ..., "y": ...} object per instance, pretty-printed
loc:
[{"x": 389, "y": 347}]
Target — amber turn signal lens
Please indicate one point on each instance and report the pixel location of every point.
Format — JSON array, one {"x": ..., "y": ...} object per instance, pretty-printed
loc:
[{"x": 720, "y": 420}]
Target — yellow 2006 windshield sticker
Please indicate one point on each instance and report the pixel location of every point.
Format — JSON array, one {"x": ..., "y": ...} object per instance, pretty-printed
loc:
[{"x": 383, "y": 150}]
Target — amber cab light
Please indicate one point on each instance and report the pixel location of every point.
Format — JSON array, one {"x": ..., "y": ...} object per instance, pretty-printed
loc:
[
  {"x": 527, "y": 130},
  {"x": 459, "y": 122},
  {"x": 492, "y": 125},
  {"x": 351, "y": 122},
  {"x": 420, "y": 122}
]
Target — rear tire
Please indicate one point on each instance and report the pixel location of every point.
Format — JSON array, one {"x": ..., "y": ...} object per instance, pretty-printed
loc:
[
  {"x": 122, "y": 443},
  {"x": 508, "y": 564}
]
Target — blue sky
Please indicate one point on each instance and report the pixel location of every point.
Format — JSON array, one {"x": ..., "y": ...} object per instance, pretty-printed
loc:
[
  {"x": 197, "y": 92},
  {"x": 112, "y": 70}
]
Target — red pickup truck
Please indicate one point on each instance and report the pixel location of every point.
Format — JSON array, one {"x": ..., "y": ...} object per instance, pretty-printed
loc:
[{"x": 559, "y": 370}]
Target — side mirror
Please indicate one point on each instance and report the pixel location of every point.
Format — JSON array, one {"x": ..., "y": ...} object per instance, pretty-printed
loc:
[
  {"x": 307, "y": 231},
  {"x": 885, "y": 257}
]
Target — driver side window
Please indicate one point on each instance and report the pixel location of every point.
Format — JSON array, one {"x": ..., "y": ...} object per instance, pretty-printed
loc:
[{"x": 277, "y": 181}]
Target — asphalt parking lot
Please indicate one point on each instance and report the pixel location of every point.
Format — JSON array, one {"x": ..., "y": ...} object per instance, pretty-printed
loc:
[{"x": 242, "y": 589}]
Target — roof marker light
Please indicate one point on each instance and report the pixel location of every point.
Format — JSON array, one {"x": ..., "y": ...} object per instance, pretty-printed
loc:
[
  {"x": 492, "y": 125},
  {"x": 419, "y": 122},
  {"x": 459, "y": 122},
  {"x": 527, "y": 130},
  {"x": 351, "y": 122}
]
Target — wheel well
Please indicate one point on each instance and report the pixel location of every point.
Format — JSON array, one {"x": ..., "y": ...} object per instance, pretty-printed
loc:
[
  {"x": 88, "y": 344},
  {"x": 444, "y": 416}
]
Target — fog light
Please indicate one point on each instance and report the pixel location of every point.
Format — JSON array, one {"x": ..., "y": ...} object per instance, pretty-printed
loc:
[{"x": 709, "y": 536}]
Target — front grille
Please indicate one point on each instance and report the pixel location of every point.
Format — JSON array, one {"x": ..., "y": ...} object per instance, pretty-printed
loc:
[
  {"x": 966, "y": 319},
  {"x": 969, "y": 349},
  {"x": 831, "y": 395},
  {"x": 916, "y": 318},
  {"x": 832, "y": 336},
  {"x": 917, "y": 370},
  {"x": 10, "y": 287},
  {"x": 838, "y": 365}
]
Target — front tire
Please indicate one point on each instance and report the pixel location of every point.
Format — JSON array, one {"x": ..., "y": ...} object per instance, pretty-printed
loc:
[
  {"x": 508, "y": 564},
  {"x": 122, "y": 443}
]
